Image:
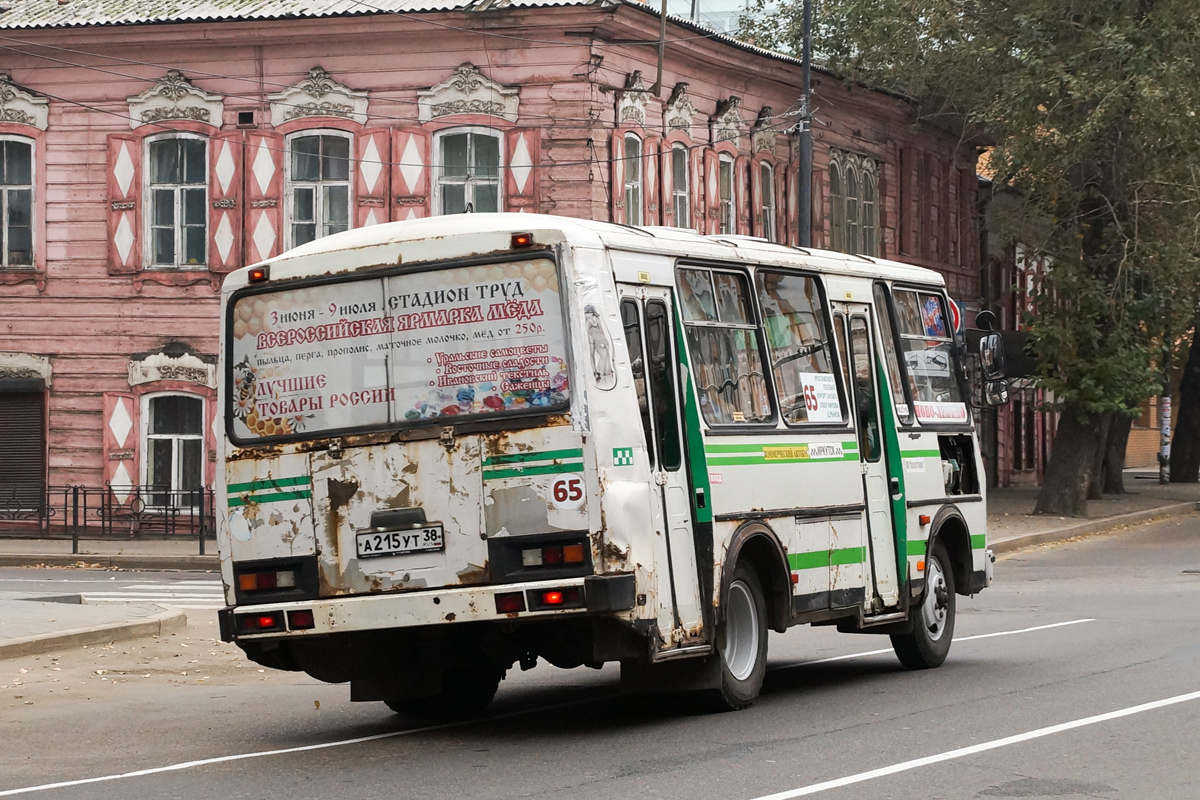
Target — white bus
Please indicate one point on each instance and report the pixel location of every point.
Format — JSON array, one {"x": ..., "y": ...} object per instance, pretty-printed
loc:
[{"x": 456, "y": 444}]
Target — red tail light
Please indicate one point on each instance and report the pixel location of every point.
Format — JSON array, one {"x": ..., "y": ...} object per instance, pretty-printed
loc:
[
  {"x": 260, "y": 623},
  {"x": 510, "y": 603},
  {"x": 301, "y": 620}
]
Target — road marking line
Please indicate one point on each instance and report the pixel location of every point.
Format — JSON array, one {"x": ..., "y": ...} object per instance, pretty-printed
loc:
[
  {"x": 866, "y": 653},
  {"x": 444, "y": 726},
  {"x": 203, "y": 762},
  {"x": 983, "y": 747}
]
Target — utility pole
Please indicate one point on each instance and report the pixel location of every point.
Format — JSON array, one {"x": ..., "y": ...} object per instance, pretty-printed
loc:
[{"x": 804, "y": 198}]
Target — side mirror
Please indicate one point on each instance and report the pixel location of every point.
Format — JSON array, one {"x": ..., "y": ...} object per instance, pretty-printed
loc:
[
  {"x": 995, "y": 393},
  {"x": 991, "y": 356}
]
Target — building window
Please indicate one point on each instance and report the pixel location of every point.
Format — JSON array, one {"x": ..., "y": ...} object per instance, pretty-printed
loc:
[
  {"x": 16, "y": 202},
  {"x": 725, "y": 189},
  {"x": 178, "y": 207},
  {"x": 853, "y": 200},
  {"x": 681, "y": 186},
  {"x": 468, "y": 173},
  {"x": 318, "y": 185},
  {"x": 766, "y": 184},
  {"x": 174, "y": 448},
  {"x": 633, "y": 179}
]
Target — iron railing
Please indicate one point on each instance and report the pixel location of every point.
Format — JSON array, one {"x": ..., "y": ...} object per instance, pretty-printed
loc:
[{"x": 108, "y": 512}]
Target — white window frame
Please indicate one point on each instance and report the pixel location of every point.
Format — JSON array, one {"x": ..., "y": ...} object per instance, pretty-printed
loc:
[
  {"x": 148, "y": 189},
  {"x": 470, "y": 182},
  {"x": 290, "y": 185},
  {"x": 633, "y": 191},
  {"x": 146, "y": 437},
  {"x": 766, "y": 190},
  {"x": 854, "y": 216},
  {"x": 32, "y": 188},
  {"x": 682, "y": 194},
  {"x": 726, "y": 198}
]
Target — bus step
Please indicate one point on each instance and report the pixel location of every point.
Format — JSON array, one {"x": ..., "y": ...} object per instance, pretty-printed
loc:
[{"x": 884, "y": 619}]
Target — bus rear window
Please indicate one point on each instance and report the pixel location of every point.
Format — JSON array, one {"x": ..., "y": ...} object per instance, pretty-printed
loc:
[{"x": 358, "y": 354}]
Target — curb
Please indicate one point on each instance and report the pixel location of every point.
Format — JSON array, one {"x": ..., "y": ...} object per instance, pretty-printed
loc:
[
  {"x": 166, "y": 621},
  {"x": 1092, "y": 526},
  {"x": 122, "y": 561}
]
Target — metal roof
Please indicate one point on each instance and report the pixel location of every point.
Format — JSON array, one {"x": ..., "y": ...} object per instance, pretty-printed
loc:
[
  {"x": 82, "y": 13},
  {"x": 31, "y": 14}
]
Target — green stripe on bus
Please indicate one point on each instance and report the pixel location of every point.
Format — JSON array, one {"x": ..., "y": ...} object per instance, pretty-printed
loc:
[
  {"x": 921, "y": 453},
  {"x": 916, "y": 547},
  {"x": 275, "y": 483},
  {"x": 521, "y": 458},
  {"x": 693, "y": 439},
  {"x": 260, "y": 499},
  {"x": 539, "y": 469},
  {"x": 819, "y": 559},
  {"x": 978, "y": 541}
]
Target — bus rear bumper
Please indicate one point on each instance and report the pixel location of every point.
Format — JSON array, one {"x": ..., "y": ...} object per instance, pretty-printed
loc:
[{"x": 594, "y": 594}]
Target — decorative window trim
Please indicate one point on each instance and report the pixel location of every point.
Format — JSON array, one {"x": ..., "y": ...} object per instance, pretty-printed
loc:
[
  {"x": 25, "y": 366},
  {"x": 205, "y": 437},
  {"x": 318, "y": 95},
  {"x": 186, "y": 368},
  {"x": 634, "y": 183},
  {"x": 288, "y": 184},
  {"x": 767, "y": 196},
  {"x": 147, "y": 204},
  {"x": 865, "y": 171},
  {"x": 468, "y": 91},
  {"x": 730, "y": 222},
  {"x": 762, "y": 140},
  {"x": 679, "y": 114},
  {"x": 632, "y": 101},
  {"x": 19, "y": 107},
  {"x": 726, "y": 123},
  {"x": 174, "y": 97}
]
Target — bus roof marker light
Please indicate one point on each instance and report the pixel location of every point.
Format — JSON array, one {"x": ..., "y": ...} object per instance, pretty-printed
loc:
[
  {"x": 259, "y": 274},
  {"x": 522, "y": 240}
]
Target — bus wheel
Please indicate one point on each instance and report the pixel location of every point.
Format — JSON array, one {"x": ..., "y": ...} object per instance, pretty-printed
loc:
[
  {"x": 743, "y": 648},
  {"x": 465, "y": 692},
  {"x": 933, "y": 623}
]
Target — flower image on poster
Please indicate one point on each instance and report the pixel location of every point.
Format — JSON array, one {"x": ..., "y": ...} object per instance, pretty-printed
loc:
[{"x": 399, "y": 349}]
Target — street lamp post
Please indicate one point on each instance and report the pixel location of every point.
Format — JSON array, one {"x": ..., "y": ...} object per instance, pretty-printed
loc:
[{"x": 804, "y": 198}]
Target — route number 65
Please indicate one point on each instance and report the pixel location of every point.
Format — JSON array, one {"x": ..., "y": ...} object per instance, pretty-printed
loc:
[{"x": 566, "y": 491}]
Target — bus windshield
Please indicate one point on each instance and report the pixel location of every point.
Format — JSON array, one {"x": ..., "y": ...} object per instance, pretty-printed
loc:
[{"x": 398, "y": 349}]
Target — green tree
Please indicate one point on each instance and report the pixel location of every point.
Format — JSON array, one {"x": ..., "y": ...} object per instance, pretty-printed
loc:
[{"x": 1092, "y": 108}]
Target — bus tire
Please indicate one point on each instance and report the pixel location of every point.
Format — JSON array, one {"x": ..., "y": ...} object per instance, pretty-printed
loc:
[
  {"x": 933, "y": 620},
  {"x": 743, "y": 648},
  {"x": 465, "y": 693}
]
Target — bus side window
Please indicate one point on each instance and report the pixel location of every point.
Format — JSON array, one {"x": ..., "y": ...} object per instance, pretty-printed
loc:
[
  {"x": 864, "y": 389},
  {"x": 723, "y": 341},
  {"x": 797, "y": 336},
  {"x": 662, "y": 382},
  {"x": 888, "y": 332},
  {"x": 631, "y": 321}
]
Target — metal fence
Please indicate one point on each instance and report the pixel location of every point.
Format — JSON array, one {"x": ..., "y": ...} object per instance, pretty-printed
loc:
[{"x": 123, "y": 512}]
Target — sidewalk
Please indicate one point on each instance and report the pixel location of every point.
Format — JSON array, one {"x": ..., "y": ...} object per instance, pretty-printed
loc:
[{"x": 29, "y": 627}]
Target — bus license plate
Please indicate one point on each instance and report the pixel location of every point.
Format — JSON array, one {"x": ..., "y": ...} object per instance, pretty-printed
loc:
[{"x": 397, "y": 543}]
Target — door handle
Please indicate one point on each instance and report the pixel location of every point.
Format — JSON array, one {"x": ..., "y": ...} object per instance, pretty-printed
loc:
[{"x": 894, "y": 485}]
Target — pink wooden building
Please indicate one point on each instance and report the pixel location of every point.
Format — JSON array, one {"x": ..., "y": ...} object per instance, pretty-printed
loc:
[{"x": 147, "y": 153}]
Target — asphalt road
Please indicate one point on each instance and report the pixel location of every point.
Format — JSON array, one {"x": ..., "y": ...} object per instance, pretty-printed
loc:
[{"x": 1076, "y": 676}]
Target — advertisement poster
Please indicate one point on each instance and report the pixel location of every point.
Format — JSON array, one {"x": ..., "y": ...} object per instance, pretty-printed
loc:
[{"x": 429, "y": 345}]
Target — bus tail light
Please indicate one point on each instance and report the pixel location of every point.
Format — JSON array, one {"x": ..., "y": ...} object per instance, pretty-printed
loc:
[
  {"x": 563, "y": 597},
  {"x": 264, "y": 622},
  {"x": 301, "y": 620},
  {"x": 266, "y": 581},
  {"x": 510, "y": 603},
  {"x": 553, "y": 556}
]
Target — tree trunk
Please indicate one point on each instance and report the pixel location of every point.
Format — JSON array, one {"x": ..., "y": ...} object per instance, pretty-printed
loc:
[
  {"x": 1072, "y": 460},
  {"x": 1185, "y": 447},
  {"x": 1096, "y": 479},
  {"x": 1114, "y": 455}
]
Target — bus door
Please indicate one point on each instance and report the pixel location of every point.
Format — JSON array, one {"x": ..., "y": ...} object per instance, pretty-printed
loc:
[
  {"x": 853, "y": 330},
  {"x": 647, "y": 314}
]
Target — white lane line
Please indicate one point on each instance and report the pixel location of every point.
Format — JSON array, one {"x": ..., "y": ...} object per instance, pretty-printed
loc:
[
  {"x": 203, "y": 762},
  {"x": 340, "y": 743},
  {"x": 866, "y": 653},
  {"x": 983, "y": 747}
]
